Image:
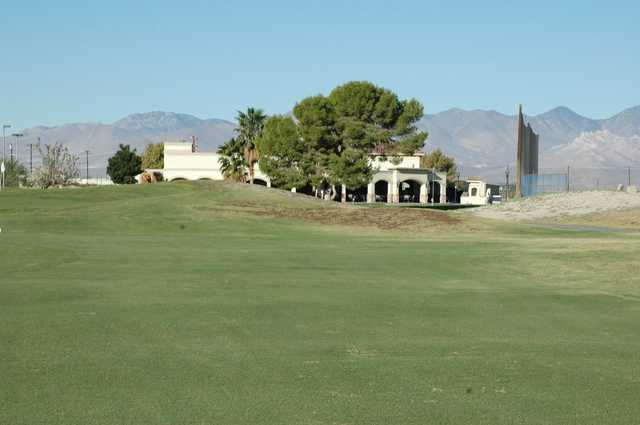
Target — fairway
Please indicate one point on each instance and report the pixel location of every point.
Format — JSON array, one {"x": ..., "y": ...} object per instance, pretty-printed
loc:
[{"x": 214, "y": 303}]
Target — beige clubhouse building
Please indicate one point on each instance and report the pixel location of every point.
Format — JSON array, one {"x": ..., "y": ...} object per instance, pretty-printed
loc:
[{"x": 397, "y": 179}]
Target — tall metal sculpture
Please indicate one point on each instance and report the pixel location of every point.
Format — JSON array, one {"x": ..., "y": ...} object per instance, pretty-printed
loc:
[{"x": 526, "y": 156}]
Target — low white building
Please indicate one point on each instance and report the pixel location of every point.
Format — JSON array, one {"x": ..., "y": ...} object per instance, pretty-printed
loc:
[
  {"x": 398, "y": 178},
  {"x": 479, "y": 192},
  {"x": 183, "y": 162}
]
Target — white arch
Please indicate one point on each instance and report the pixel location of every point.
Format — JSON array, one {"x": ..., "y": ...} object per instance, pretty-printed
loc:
[
  {"x": 265, "y": 181},
  {"x": 418, "y": 178}
]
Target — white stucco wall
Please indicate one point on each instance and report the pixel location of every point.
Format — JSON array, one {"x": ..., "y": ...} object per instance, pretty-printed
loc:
[
  {"x": 180, "y": 162},
  {"x": 480, "y": 197},
  {"x": 390, "y": 163},
  {"x": 191, "y": 166}
]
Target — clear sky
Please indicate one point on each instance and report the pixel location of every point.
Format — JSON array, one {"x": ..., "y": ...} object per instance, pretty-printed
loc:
[{"x": 75, "y": 61}]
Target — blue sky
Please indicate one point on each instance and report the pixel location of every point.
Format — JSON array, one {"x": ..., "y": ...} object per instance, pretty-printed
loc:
[{"x": 73, "y": 61}]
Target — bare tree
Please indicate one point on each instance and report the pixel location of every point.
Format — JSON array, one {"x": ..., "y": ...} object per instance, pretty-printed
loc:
[{"x": 59, "y": 167}]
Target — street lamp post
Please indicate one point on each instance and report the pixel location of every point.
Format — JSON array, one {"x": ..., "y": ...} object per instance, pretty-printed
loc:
[
  {"x": 17, "y": 136},
  {"x": 4, "y": 150},
  {"x": 4, "y": 140}
]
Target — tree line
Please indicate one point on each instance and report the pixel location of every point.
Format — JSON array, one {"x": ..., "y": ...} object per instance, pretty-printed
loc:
[
  {"x": 325, "y": 141},
  {"x": 328, "y": 140}
]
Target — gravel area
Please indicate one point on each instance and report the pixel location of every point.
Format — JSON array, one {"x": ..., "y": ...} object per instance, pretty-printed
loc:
[{"x": 560, "y": 205}]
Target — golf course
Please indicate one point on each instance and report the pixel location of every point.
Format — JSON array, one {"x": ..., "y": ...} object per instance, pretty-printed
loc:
[{"x": 221, "y": 303}]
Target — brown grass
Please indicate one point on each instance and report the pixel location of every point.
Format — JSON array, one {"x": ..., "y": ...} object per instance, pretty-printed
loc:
[{"x": 383, "y": 218}]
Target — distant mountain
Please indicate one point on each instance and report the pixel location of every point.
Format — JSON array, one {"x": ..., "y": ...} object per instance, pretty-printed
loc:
[
  {"x": 137, "y": 130},
  {"x": 487, "y": 139},
  {"x": 597, "y": 149},
  {"x": 626, "y": 123},
  {"x": 158, "y": 122},
  {"x": 479, "y": 138},
  {"x": 483, "y": 142},
  {"x": 561, "y": 124}
]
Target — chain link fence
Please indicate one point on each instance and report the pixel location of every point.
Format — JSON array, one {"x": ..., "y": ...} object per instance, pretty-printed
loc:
[
  {"x": 602, "y": 178},
  {"x": 561, "y": 178},
  {"x": 535, "y": 184}
]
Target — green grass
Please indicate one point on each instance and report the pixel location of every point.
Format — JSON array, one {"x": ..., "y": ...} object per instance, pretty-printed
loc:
[{"x": 163, "y": 304}]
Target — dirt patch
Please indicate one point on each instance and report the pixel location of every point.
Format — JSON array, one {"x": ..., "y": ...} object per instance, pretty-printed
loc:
[
  {"x": 384, "y": 218},
  {"x": 381, "y": 218}
]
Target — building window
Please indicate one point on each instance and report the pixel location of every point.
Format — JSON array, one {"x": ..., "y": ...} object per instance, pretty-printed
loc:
[{"x": 474, "y": 191}]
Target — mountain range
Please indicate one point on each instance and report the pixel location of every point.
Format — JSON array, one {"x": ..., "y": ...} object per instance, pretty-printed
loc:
[
  {"x": 486, "y": 139},
  {"x": 136, "y": 130},
  {"x": 477, "y": 138}
]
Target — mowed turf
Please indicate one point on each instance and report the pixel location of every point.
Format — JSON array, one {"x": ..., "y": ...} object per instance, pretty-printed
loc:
[{"x": 189, "y": 304}]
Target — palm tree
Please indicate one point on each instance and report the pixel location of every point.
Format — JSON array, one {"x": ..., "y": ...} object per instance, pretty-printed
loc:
[
  {"x": 250, "y": 125},
  {"x": 232, "y": 160}
]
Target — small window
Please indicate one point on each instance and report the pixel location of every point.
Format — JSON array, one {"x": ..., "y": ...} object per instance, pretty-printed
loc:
[{"x": 474, "y": 191}]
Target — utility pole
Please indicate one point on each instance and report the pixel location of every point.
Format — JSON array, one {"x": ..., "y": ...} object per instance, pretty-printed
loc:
[
  {"x": 629, "y": 176},
  {"x": 568, "y": 178},
  {"x": 87, "y": 153},
  {"x": 38, "y": 146},
  {"x": 30, "y": 158},
  {"x": 506, "y": 174}
]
